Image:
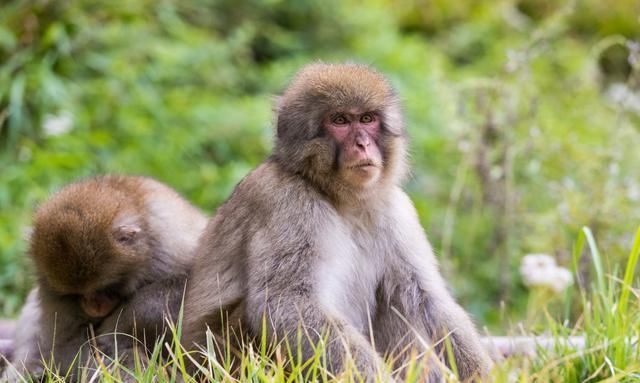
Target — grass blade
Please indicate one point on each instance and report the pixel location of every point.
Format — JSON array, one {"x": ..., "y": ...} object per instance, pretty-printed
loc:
[
  {"x": 597, "y": 260},
  {"x": 629, "y": 274}
]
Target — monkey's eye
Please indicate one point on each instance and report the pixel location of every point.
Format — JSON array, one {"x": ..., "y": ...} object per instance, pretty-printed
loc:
[
  {"x": 340, "y": 120},
  {"x": 366, "y": 118}
]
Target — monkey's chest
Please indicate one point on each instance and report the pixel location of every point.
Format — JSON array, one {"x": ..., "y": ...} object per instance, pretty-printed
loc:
[{"x": 350, "y": 271}]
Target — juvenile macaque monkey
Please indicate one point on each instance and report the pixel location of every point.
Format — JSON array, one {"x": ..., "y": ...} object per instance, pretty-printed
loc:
[
  {"x": 321, "y": 237},
  {"x": 111, "y": 254}
]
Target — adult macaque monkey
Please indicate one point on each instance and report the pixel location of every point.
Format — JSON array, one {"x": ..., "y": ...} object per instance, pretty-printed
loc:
[
  {"x": 111, "y": 253},
  {"x": 321, "y": 237}
]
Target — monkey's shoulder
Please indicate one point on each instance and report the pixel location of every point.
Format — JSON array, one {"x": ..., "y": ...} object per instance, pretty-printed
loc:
[{"x": 271, "y": 188}]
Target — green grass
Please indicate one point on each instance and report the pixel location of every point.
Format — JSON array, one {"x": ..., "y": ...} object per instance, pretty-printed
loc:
[{"x": 609, "y": 320}]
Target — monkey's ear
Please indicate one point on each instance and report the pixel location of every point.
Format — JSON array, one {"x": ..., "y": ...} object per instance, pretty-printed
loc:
[{"x": 126, "y": 234}]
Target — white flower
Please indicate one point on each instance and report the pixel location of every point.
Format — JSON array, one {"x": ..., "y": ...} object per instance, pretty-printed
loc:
[
  {"x": 562, "y": 280},
  {"x": 55, "y": 125},
  {"x": 541, "y": 270}
]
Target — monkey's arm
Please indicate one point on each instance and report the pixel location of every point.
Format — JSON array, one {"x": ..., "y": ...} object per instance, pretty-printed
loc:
[
  {"x": 24, "y": 356},
  {"x": 61, "y": 333},
  {"x": 417, "y": 308},
  {"x": 143, "y": 318}
]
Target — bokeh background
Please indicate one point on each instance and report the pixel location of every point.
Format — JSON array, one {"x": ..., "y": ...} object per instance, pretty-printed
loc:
[{"x": 524, "y": 116}]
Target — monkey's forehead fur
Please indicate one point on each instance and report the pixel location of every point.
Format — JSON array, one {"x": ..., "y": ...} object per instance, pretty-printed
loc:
[
  {"x": 335, "y": 87},
  {"x": 71, "y": 238},
  {"x": 88, "y": 206}
]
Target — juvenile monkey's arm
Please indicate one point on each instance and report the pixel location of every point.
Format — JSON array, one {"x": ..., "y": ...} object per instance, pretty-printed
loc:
[
  {"x": 25, "y": 356},
  {"x": 62, "y": 334},
  {"x": 144, "y": 316}
]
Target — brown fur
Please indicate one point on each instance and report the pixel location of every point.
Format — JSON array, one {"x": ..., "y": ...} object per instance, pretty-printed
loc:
[
  {"x": 296, "y": 245},
  {"x": 73, "y": 234},
  {"x": 82, "y": 242}
]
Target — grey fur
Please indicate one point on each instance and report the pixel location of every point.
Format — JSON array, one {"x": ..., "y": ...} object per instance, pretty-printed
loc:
[{"x": 295, "y": 244}]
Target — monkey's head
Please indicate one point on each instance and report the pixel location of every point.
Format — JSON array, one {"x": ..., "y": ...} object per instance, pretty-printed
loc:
[
  {"x": 88, "y": 243},
  {"x": 340, "y": 126}
]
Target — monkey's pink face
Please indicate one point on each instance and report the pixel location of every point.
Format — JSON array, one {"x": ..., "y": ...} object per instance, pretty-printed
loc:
[{"x": 357, "y": 134}]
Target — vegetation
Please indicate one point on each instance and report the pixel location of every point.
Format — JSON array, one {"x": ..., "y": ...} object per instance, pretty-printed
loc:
[
  {"x": 523, "y": 114},
  {"x": 609, "y": 325}
]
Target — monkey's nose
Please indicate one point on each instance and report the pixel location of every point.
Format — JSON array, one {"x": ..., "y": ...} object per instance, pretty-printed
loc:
[{"x": 362, "y": 141}]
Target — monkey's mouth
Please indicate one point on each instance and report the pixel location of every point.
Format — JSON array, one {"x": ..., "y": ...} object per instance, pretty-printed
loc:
[{"x": 363, "y": 165}]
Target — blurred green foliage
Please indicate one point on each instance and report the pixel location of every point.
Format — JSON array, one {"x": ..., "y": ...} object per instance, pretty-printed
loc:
[{"x": 523, "y": 114}]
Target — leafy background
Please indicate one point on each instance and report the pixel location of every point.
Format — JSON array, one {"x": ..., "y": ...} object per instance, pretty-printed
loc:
[{"x": 523, "y": 115}]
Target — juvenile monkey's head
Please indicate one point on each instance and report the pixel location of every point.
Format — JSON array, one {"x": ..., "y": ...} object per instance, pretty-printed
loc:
[
  {"x": 340, "y": 126},
  {"x": 88, "y": 242}
]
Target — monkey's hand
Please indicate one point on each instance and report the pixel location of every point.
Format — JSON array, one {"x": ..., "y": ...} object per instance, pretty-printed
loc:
[
  {"x": 369, "y": 366},
  {"x": 107, "y": 344},
  {"x": 123, "y": 348},
  {"x": 115, "y": 334},
  {"x": 142, "y": 318}
]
